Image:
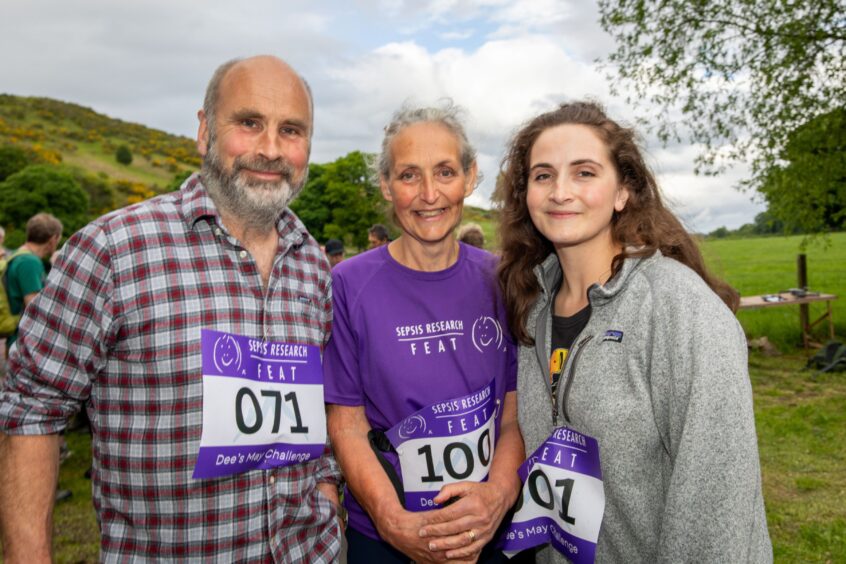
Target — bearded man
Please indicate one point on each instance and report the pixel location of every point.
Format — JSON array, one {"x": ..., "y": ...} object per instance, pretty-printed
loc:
[{"x": 180, "y": 324}]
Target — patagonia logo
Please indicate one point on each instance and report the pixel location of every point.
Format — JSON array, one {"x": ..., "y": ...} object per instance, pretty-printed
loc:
[{"x": 612, "y": 335}]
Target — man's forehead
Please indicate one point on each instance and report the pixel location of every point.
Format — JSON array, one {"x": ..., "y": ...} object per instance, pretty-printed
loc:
[{"x": 262, "y": 81}]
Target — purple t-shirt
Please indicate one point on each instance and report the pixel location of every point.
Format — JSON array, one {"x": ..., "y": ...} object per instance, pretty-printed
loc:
[{"x": 404, "y": 339}]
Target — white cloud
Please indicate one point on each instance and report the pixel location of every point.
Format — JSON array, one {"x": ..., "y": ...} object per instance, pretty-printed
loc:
[{"x": 504, "y": 60}]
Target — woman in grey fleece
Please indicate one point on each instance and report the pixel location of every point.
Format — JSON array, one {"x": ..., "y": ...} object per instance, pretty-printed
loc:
[{"x": 649, "y": 359}]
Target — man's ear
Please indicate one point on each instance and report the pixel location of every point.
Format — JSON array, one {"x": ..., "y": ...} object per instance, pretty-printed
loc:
[{"x": 202, "y": 134}]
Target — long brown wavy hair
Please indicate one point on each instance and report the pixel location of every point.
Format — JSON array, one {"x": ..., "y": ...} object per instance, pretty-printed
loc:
[{"x": 644, "y": 226}]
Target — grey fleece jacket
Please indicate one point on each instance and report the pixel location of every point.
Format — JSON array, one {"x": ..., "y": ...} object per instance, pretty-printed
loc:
[{"x": 671, "y": 407}]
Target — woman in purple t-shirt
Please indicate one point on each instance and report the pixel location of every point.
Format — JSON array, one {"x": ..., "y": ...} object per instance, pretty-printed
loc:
[{"x": 420, "y": 369}]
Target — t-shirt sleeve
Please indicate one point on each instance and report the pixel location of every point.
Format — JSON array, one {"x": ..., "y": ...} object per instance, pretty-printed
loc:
[
  {"x": 29, "y": 276},
  {"x": 342, "y": 379}
]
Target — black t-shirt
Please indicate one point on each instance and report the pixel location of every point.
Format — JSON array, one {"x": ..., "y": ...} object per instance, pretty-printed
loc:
[{"x": 564, "y": 332}]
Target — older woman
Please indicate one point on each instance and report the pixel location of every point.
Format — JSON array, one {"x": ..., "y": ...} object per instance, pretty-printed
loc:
[{"x": 420, "y": 369}]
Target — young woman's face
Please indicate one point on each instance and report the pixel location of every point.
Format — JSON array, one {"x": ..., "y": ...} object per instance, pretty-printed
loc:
[
  {"x": 427, "y": 185},
  {"x": 573, "y": 189}
]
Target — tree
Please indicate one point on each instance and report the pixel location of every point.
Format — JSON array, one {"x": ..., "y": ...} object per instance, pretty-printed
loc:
[
  {"x": 123, "y": 155},
  {"x": 806, "y": 190},
  {"x": 41, "y": 188},
  {"x": 12, "y": 159},
  {"x": 743, "y": 74},
  {"x": 339, "y": 201}
]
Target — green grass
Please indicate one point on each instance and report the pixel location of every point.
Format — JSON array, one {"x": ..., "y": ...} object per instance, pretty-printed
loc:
[{"x": 767, "y": 265}]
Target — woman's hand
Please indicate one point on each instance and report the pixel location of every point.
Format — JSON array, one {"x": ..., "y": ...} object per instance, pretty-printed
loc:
[
  {"x": 463, "y": 528},
  {"x": 401, "y": 529}
]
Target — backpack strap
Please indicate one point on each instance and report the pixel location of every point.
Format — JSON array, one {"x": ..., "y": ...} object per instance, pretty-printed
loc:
[{"x": 380, "y": 444}]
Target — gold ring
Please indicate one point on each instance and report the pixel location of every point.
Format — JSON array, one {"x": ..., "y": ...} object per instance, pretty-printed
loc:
[{"x": 471, "y": 534}]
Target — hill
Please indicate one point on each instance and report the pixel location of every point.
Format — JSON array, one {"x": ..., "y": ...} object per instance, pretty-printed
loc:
[{"x": 55, "y": 132}]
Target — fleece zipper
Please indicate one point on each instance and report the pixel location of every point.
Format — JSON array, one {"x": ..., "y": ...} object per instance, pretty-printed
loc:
[{"x": 572, "y": 361}]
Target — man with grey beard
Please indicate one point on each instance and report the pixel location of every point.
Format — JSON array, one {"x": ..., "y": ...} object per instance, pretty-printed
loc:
[{"x": 190, "y": 326}]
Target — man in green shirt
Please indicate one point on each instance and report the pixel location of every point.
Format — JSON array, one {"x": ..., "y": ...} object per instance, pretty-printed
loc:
[{"x": 25, "y": 274}]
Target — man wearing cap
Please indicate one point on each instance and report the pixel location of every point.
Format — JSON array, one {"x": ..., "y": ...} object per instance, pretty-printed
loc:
[{"x": 334, "y": 251}]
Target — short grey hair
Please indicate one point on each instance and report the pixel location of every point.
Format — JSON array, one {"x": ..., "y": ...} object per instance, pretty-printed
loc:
[
  {"x": 447, "y": 114},
  {"x": 213, "y": 93}
]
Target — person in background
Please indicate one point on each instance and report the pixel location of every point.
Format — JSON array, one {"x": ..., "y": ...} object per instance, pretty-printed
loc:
[
  {"x": 141, "y": 307},
  {"x": 334, "y": 251},
  {"x": 472, "y": 234},
  {"x": 631, "y": 361},
  {"x": 25, "y": 273},
  {"x": 377, "y": 236}
]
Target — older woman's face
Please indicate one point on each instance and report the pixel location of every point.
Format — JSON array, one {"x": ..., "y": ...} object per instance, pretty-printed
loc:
[{"x": 427, "y": 185}]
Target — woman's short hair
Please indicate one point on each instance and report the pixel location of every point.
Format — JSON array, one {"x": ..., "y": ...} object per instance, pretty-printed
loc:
[{"x": 448, "y": 114}]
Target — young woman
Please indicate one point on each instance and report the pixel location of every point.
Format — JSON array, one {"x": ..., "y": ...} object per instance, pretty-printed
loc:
[
  {"x": 631, "y": 363},
  {"x": 420, "y": 370}
]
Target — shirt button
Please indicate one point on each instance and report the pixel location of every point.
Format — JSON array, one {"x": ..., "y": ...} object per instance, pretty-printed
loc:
[
  {"x": 272, "y": 479},
  {"x": 243, "y": 254},
  {"x": 217, "y": 231}
]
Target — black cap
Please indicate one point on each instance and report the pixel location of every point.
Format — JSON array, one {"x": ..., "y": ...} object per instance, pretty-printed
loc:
[{"x": 334, "y": 247}]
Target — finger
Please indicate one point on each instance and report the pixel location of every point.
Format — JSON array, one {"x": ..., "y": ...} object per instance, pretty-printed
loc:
[
  {"x": 455, "y": 527},
  {"x": 460, "y": 540},
  {"x": 471, "y": 550},
  {"x": 458, "y": 489}
]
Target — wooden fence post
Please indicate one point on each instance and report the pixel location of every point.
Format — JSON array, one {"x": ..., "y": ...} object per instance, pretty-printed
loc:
[{"x": 804, "y": 316}]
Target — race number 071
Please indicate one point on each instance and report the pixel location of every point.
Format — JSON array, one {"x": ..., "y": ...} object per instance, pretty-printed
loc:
[{"x": 250, "y": 396}]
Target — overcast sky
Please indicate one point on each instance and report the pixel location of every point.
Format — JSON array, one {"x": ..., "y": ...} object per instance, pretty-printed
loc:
[{"x": 503, "y": 60}]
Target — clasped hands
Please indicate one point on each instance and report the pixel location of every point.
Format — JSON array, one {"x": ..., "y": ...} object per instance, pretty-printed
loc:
[{"x": 457, "y": 532}]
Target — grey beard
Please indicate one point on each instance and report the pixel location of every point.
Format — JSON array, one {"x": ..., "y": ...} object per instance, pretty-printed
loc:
[{"x": 256, "y": 203}]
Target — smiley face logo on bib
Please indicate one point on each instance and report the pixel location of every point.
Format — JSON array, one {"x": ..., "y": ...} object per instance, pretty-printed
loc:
[{"x": 227, "y": 354}]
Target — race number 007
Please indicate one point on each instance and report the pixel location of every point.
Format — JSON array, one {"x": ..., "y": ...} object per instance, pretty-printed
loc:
[
  {"x": 250, "y": 397},
  {"x": 483, "y": 449}
]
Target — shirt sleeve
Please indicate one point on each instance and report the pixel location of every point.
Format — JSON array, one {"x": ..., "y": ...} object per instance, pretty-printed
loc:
[
  {"x": 29, "y": 276},
  {"x": 341, "y": 363},
  {"x": 327, "y": 469},
  {"x": 713, "y": 508},
  {"x": 63, "y": 339}
]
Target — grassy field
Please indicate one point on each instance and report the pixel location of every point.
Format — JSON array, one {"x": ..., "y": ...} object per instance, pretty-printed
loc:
[
  {"x": 767, "y": 265},
  {"x": 801, "y": 416}
]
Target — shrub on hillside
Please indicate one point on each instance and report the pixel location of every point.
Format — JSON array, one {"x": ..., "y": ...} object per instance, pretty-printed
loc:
[
  {"x": 123, "y": 155},
  {"x": 41, "y": 188},
  {"x": 12, "y": 159}
]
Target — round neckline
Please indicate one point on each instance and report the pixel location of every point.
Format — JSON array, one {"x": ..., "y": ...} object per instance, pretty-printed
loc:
[{"x": 425, "y": 274}]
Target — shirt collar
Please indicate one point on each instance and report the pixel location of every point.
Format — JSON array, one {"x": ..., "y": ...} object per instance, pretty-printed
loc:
[{"x": 198, "y": 205}]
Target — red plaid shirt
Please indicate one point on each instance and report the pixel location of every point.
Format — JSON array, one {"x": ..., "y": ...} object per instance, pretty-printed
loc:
[{"x": 117, "y": 327}]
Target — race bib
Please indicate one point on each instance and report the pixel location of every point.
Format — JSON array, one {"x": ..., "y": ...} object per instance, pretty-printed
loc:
[
  {"x": 446, "y": 442},
  {"x": 262, "y": 405},
  {"x": 562, "y": 501}
]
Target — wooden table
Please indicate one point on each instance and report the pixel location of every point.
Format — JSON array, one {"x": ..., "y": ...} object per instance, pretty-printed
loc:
[{"x": 786, "y": 298}]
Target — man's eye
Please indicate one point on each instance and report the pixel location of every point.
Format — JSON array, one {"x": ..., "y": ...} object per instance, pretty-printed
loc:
[
  {"x": 447, "y": 172},
  {"x": 290, "y": 131},
  {"x": 407, "y": 175},
  {"x": 249, "y": 122}
]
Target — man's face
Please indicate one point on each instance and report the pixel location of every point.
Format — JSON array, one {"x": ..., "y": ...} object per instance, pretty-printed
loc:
[
  {"x": 335, "y": 259},
  {"x": 256, "y": 155},
  {"x": 373, "y": 241}
]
